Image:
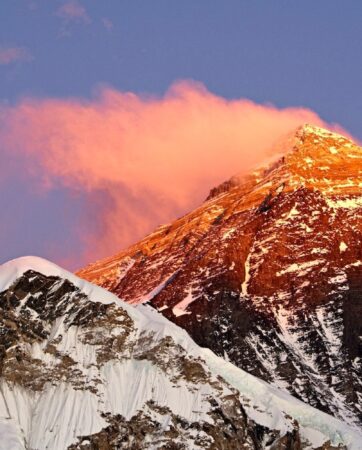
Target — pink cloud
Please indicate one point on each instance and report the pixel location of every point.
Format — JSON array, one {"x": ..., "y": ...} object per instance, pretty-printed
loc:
[
  {"x": 73, "y": 10},
  {"x": 142, "y": 160},
  {"x": 9, "y": 55},
  {"x": 107, "y": 23}
]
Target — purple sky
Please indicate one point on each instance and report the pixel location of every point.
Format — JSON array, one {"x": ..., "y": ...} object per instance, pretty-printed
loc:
[{"x": 285, "y": 53}]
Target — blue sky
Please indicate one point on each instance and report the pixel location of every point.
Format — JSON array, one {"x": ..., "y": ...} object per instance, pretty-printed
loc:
[{"x": 287, "y": 53}]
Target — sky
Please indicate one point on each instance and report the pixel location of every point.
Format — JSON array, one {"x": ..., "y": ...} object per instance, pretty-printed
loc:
[{"x": 118, "y": 116}]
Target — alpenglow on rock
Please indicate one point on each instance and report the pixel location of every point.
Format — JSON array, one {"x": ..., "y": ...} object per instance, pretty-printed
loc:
[
  {"x": 267, "y": 272},
  {"x": 82, "y": 370}
]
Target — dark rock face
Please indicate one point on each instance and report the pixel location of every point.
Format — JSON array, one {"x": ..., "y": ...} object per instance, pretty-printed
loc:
[
  {"x": 28, "y": 310},
  {"x": 267, "y": 272}
]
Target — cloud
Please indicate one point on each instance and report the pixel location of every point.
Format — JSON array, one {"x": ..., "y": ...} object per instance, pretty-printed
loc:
[
  {"x": 73, "y": 11},
  {"x": 107, "y": 23},
  {"x": 9, "y": 55},
  {"x": 141, "y": 160}
]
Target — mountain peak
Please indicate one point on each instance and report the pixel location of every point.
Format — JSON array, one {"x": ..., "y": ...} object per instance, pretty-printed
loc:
[
  {"x": 322, "y": 135},
  {"x": 309, "y": 128},
  {"x": 317, "y": 142},
  {"x": 311, "y": 157},
  {"x": 324, "y": 160},
  {"x": 15, "y": 268},
  {"x": 267, "y": 271}
]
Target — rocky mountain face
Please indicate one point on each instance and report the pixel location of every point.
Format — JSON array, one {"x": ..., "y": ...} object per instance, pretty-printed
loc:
[
  {"x": 82, "y": 370},
  {"x": 267, "y": 272}
]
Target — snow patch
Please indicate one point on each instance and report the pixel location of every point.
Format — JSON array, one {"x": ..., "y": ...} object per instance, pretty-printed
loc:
[
  {"x": 295, "y": 267},
  {"x": 348, "y": 203},
  {"x": 228, "y": 233},
  {"x": 180, "y": 308},
  {"x": 244, "y": 285}
]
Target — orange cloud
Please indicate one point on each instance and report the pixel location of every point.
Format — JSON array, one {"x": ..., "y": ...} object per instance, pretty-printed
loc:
[
  {"x": 10, "y": 55},
  {"x": 142, "y": 160}
]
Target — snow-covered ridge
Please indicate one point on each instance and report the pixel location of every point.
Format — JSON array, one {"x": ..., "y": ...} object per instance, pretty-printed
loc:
[
  {"x": 264, "y": 404},
  {"x": 14, "y": 269}
]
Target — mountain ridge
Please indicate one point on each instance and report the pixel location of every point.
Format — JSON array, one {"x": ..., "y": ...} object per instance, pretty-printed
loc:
[
  {"x": 267, "y": 271},
  {"x": 79, "y": 368}
]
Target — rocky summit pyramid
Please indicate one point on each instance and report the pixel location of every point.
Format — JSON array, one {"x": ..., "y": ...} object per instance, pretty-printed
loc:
[
  {"x": 82, "y": 370},
  {"x": 267, "y": 272}
]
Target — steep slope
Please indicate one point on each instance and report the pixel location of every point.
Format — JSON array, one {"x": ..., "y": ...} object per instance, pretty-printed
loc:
[
  {"x": 267, "y": 272},
  {"x": 80, "y": 369}
]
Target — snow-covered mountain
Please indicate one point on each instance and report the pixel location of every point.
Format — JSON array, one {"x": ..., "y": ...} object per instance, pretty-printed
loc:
[
  {"x": 267, "y": 272},
  {"x": 80, "y": 369}
]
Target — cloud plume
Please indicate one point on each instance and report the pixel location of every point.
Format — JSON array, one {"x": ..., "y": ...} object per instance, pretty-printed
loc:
[{"x": 142, "y": 160}]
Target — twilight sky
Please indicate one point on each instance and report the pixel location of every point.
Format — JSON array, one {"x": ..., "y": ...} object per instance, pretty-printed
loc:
[{"x": 116, "y": 116}]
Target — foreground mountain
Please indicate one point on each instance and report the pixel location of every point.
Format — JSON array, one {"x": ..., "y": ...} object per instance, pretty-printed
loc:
[
  {"x": 79, "y": 369},
  {"x": 267, "y": 272}
]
